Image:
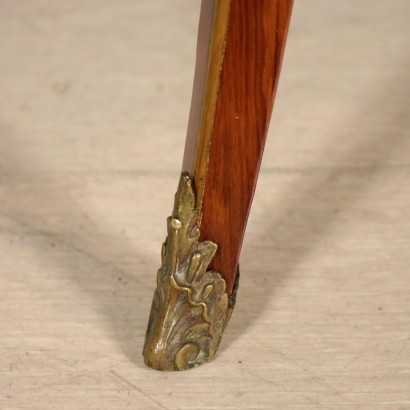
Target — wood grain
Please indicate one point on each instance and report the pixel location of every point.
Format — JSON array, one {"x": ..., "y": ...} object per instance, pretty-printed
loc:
[
  {"x": 254, "y": 49},
  {"x": 94, "y": 100},
  {"x": 213, "y": 26}
]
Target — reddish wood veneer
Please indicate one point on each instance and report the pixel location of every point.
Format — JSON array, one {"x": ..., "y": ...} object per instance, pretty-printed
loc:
[{"x": 253, "y": 54}]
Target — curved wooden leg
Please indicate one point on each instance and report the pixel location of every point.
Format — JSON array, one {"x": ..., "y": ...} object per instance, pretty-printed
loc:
[{"x": 240, "y": 49}]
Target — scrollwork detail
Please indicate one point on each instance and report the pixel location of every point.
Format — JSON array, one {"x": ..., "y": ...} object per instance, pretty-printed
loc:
[{"x": 191, "y": 307}]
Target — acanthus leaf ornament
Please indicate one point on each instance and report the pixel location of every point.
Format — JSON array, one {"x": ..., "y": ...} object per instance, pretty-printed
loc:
[{"x": 191, "y": 307}]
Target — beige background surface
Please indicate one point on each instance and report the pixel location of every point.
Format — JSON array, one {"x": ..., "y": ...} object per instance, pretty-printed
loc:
[{"x": 94, "y": 101}]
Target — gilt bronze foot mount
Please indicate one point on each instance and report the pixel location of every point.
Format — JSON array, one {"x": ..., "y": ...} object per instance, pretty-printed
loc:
[{"x": 191, "y": 306}]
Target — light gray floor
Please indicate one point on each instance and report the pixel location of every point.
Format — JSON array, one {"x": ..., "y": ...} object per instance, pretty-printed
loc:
[{"x": 94, "y": 100}]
